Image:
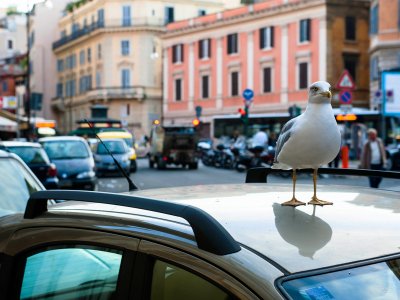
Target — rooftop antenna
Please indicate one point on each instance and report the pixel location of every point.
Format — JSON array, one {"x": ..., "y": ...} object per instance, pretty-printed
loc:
[{"x": 132, "y": 186}]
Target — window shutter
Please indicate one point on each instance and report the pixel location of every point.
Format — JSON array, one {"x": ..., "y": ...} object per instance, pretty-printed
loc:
[
  {"x": 182, "y": 52},
  {"x": 201, "y": 54},
  {"x": 262, "y": 38},
  {"x": 209, "y": 48},
  {"x": 272, "y": 36},
  {"x": 308, "y": 30},
  {"x": 229, "y": 44},
  {"x": 174, "y": 54}
]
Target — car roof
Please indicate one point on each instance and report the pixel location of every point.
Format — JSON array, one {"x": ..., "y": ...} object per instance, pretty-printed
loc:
[
  {"x": 61, "y": 138},
  {"x": 19, "y": 144},
  {"x": 361, "y": 224}
]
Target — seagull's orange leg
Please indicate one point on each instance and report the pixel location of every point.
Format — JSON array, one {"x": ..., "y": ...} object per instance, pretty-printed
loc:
[
  {"x": 314, "y": 199},
  {"x": 294, "y": 202}
]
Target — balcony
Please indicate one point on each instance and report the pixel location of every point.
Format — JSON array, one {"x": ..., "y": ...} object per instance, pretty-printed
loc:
[
  {"x": 133, "y": 92},
  {"x": 120, "y": 24}
]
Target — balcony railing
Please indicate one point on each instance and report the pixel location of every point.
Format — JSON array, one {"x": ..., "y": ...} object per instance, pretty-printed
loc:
[
  {"x": 116, "y": 93},
  {"x": 109, "y": 24}
]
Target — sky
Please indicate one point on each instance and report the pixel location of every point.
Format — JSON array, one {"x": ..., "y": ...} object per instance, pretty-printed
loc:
[{"x": 21, "y": 5}]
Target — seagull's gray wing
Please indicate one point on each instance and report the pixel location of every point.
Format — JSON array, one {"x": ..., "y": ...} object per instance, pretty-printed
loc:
[{"x": 283, "y": 137}]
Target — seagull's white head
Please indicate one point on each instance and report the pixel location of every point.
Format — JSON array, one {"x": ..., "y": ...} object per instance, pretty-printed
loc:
[{"x": 320, "y": 92}]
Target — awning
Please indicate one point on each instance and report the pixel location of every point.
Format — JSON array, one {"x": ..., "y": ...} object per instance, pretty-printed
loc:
[{"x": 7, "y": 125}]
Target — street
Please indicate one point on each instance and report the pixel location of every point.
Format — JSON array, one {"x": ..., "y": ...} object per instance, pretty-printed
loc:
[{"x": 146, "y": 178}]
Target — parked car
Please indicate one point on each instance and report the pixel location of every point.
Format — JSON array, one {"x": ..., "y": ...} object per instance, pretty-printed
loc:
[
  {"x": 128, "y": 139},
  {"x": 37, "y": 160},
  {"x": 17, "y": 183},
  {"x": 393, "y": 157},
  {"x": 205, "y": 242},
  {"x": 105, "y": 161},
  {"x": 74, "y": 161}
]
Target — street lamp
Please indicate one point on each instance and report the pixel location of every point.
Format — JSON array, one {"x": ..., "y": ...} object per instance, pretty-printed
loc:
[{"x": 48, "y": 4}]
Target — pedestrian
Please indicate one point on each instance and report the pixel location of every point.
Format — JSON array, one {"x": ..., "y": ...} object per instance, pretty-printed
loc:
[
  {"x": 260, "y": 138},
  {"x": 373, "y": 156}
]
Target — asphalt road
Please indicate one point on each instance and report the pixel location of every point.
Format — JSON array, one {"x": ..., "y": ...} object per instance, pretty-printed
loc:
[{"x": 146, "y": 178}]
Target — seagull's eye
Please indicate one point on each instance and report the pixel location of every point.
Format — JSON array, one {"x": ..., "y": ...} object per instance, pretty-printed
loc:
[{"x": 314, "y": 89}]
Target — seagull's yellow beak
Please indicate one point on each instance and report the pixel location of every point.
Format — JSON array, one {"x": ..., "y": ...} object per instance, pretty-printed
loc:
[{"x": 327, "y": 94}]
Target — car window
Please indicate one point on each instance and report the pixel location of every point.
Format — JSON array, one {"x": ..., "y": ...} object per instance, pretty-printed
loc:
[
  {"x": 31, "y": 155},
  {"x": 76, "y": 272},
  {"x": 115, "y": 147},
  {"x": 16, "y": 185},
  {"x": 66, "y": 149},
  {"x": 377, "y": 281},
  {"x": 173, "y": 283}
]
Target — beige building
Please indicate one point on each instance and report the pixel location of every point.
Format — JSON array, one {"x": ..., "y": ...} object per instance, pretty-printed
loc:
[
  {"x": 43, "y": 31},
  {"x": 12, "y": 35},
  {"x": 109, "y": 53}
]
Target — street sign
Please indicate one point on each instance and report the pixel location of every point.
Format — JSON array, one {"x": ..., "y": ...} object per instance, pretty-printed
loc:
[
  {"x": 346, "y": 81},
  {"x": 248, "y": 94},
  {"x": 389, "y": 96},
  {"x": 345, "y": 97}
]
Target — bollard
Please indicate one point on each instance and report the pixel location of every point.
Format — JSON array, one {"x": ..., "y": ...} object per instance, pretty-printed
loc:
[{"x": 345, "y": 157}]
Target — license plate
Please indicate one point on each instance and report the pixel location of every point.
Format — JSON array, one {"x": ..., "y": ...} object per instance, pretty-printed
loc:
[{"x": 66, "y": 183}]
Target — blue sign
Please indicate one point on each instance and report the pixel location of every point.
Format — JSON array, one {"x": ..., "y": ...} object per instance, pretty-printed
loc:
[
  {"x": 345, "y": 97},
  {"x": 248, "y": 94}
]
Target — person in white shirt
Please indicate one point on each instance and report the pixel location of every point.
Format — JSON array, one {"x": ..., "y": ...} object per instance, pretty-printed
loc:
[
  {"x": 260, "y": 139},
  {"x": 373, "y": 156}
]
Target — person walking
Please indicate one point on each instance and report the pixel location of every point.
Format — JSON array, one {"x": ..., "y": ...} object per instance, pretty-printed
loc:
[{"x": 373, "y": 156}]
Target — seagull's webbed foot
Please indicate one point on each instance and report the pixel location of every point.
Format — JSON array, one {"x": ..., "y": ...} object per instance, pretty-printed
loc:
[
  {"x": 316, "y": 201},
  {"x": 294, "y": 202}
]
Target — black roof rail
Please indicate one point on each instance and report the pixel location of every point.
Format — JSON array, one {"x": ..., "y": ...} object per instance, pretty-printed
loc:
[
  {"x": 210, "y": 235},
  {"x": 259, "y": 175}
]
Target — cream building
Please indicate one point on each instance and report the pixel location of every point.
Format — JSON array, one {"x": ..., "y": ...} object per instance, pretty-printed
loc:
[
  {"x": 109, "y": 53},
  {"x": 12, "y": 35}
]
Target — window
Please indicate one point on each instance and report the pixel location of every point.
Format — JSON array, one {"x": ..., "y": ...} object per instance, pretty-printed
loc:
[
  {"x": 52, "y": 273},
  {"x": 99, "y": 51},
  {"x": 10, "y": 45},
  {"x": 267, "y": 80},
  {"x": 100, "y": 17},
  {"x": 205, "y": 86},
  {"x": 169, "y": 15},
  {"x": 59, "y": 89},
  {"x": 178, "y": 89},
  {"x": 350, "y": 28},
  {"x": 4, "y": 86},
  {"x": 85, "y": 83},
  {"x": 202, "y": 12},
  {"x": 235, "y": 83},
  {"x": 350, "y": 62},
  {"x": 303, "y": 75},
  {"x": 374, "y": 27},
  {"x": 305, "y": 30},
  {"x": 125, "y": 48},
  {"x": 60, "y": 65},
  {"x": 267, "y": 37},
  {"x": 125, "y": 78},
  {"x": 89, "y": 55},
  {"x": 126, "y": 15},
  {"x": 374, "y": 68},
  {"x": 98, "y": 79},
  {"x": 232, "y": 43},
  {"x": 171, "y": 282},
  {"x": 82, "y": 57},
  {"x": 63, "y": 34},
  {"x": 205, "y": 48},
  {"x": 177, "y": 53}
]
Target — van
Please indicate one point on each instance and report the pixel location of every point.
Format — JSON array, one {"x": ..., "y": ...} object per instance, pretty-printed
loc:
[{"x": 128, "y": 138}]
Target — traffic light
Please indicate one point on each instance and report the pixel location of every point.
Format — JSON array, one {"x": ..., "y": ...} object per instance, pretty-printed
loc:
[
  {"x": 196, "y": 122},
  {"x": 294, "y": 111},
  {"x": 244, "y": 114}
]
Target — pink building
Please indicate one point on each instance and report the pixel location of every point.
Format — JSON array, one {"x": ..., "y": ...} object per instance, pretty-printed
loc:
[{"x": 277, "y": 48}]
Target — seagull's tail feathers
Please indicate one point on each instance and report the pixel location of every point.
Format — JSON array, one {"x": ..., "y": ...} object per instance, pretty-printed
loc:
[{"x": 280, "y": 166}]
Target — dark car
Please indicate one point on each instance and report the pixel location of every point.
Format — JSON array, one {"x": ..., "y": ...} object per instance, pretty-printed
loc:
[
  {"x": 37, "y": 160},
  {"x": 17, "y": 183},
  {"x": 105, "y": 162},
  {"x": 393, "y": 157},
  {"x": 74, "y": 161}
]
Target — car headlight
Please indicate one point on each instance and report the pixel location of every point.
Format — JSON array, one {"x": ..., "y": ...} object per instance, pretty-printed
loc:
[
  {"x": 87, "y": 174},
  {"x": 132, "y": 154}
]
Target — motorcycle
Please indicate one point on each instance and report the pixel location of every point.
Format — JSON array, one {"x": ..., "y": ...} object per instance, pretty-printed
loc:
[{"x": 255, "y": 157}]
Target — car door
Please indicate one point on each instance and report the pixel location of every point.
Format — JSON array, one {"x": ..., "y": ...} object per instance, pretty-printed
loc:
[
  {"x": 170, "y": 274},
  {"x": 67, "y": 263}
]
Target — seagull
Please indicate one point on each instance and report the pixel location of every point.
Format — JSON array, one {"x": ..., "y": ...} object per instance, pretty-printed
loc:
[{"x": 309, "y": 140}]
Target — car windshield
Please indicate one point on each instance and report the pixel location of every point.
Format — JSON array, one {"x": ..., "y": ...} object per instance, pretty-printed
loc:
[
  {"x": 129, "y": 142},
  {"x": 31, "y": 155},
  {"x": 115, "y": 147},
  {"x": 377, "y": 281},
  {"x": 16, "y": 185},
  {"x": 66, "y": 149}
]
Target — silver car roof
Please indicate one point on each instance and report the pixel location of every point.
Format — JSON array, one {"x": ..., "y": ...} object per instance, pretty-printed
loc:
[{"x": 363, "y": 223}]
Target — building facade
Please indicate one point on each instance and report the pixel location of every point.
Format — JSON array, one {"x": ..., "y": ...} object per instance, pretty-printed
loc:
[
  {"x": 12, "y": 35},
  {"x": 384, "y": 44},
  {"x": 109, "y": 53},
  {"x": 276, "y": 48},
  {"x": 43, "y": 19}
]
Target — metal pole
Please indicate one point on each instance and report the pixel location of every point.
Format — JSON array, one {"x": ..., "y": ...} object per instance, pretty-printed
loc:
[{"x": 28, "y": 71}]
